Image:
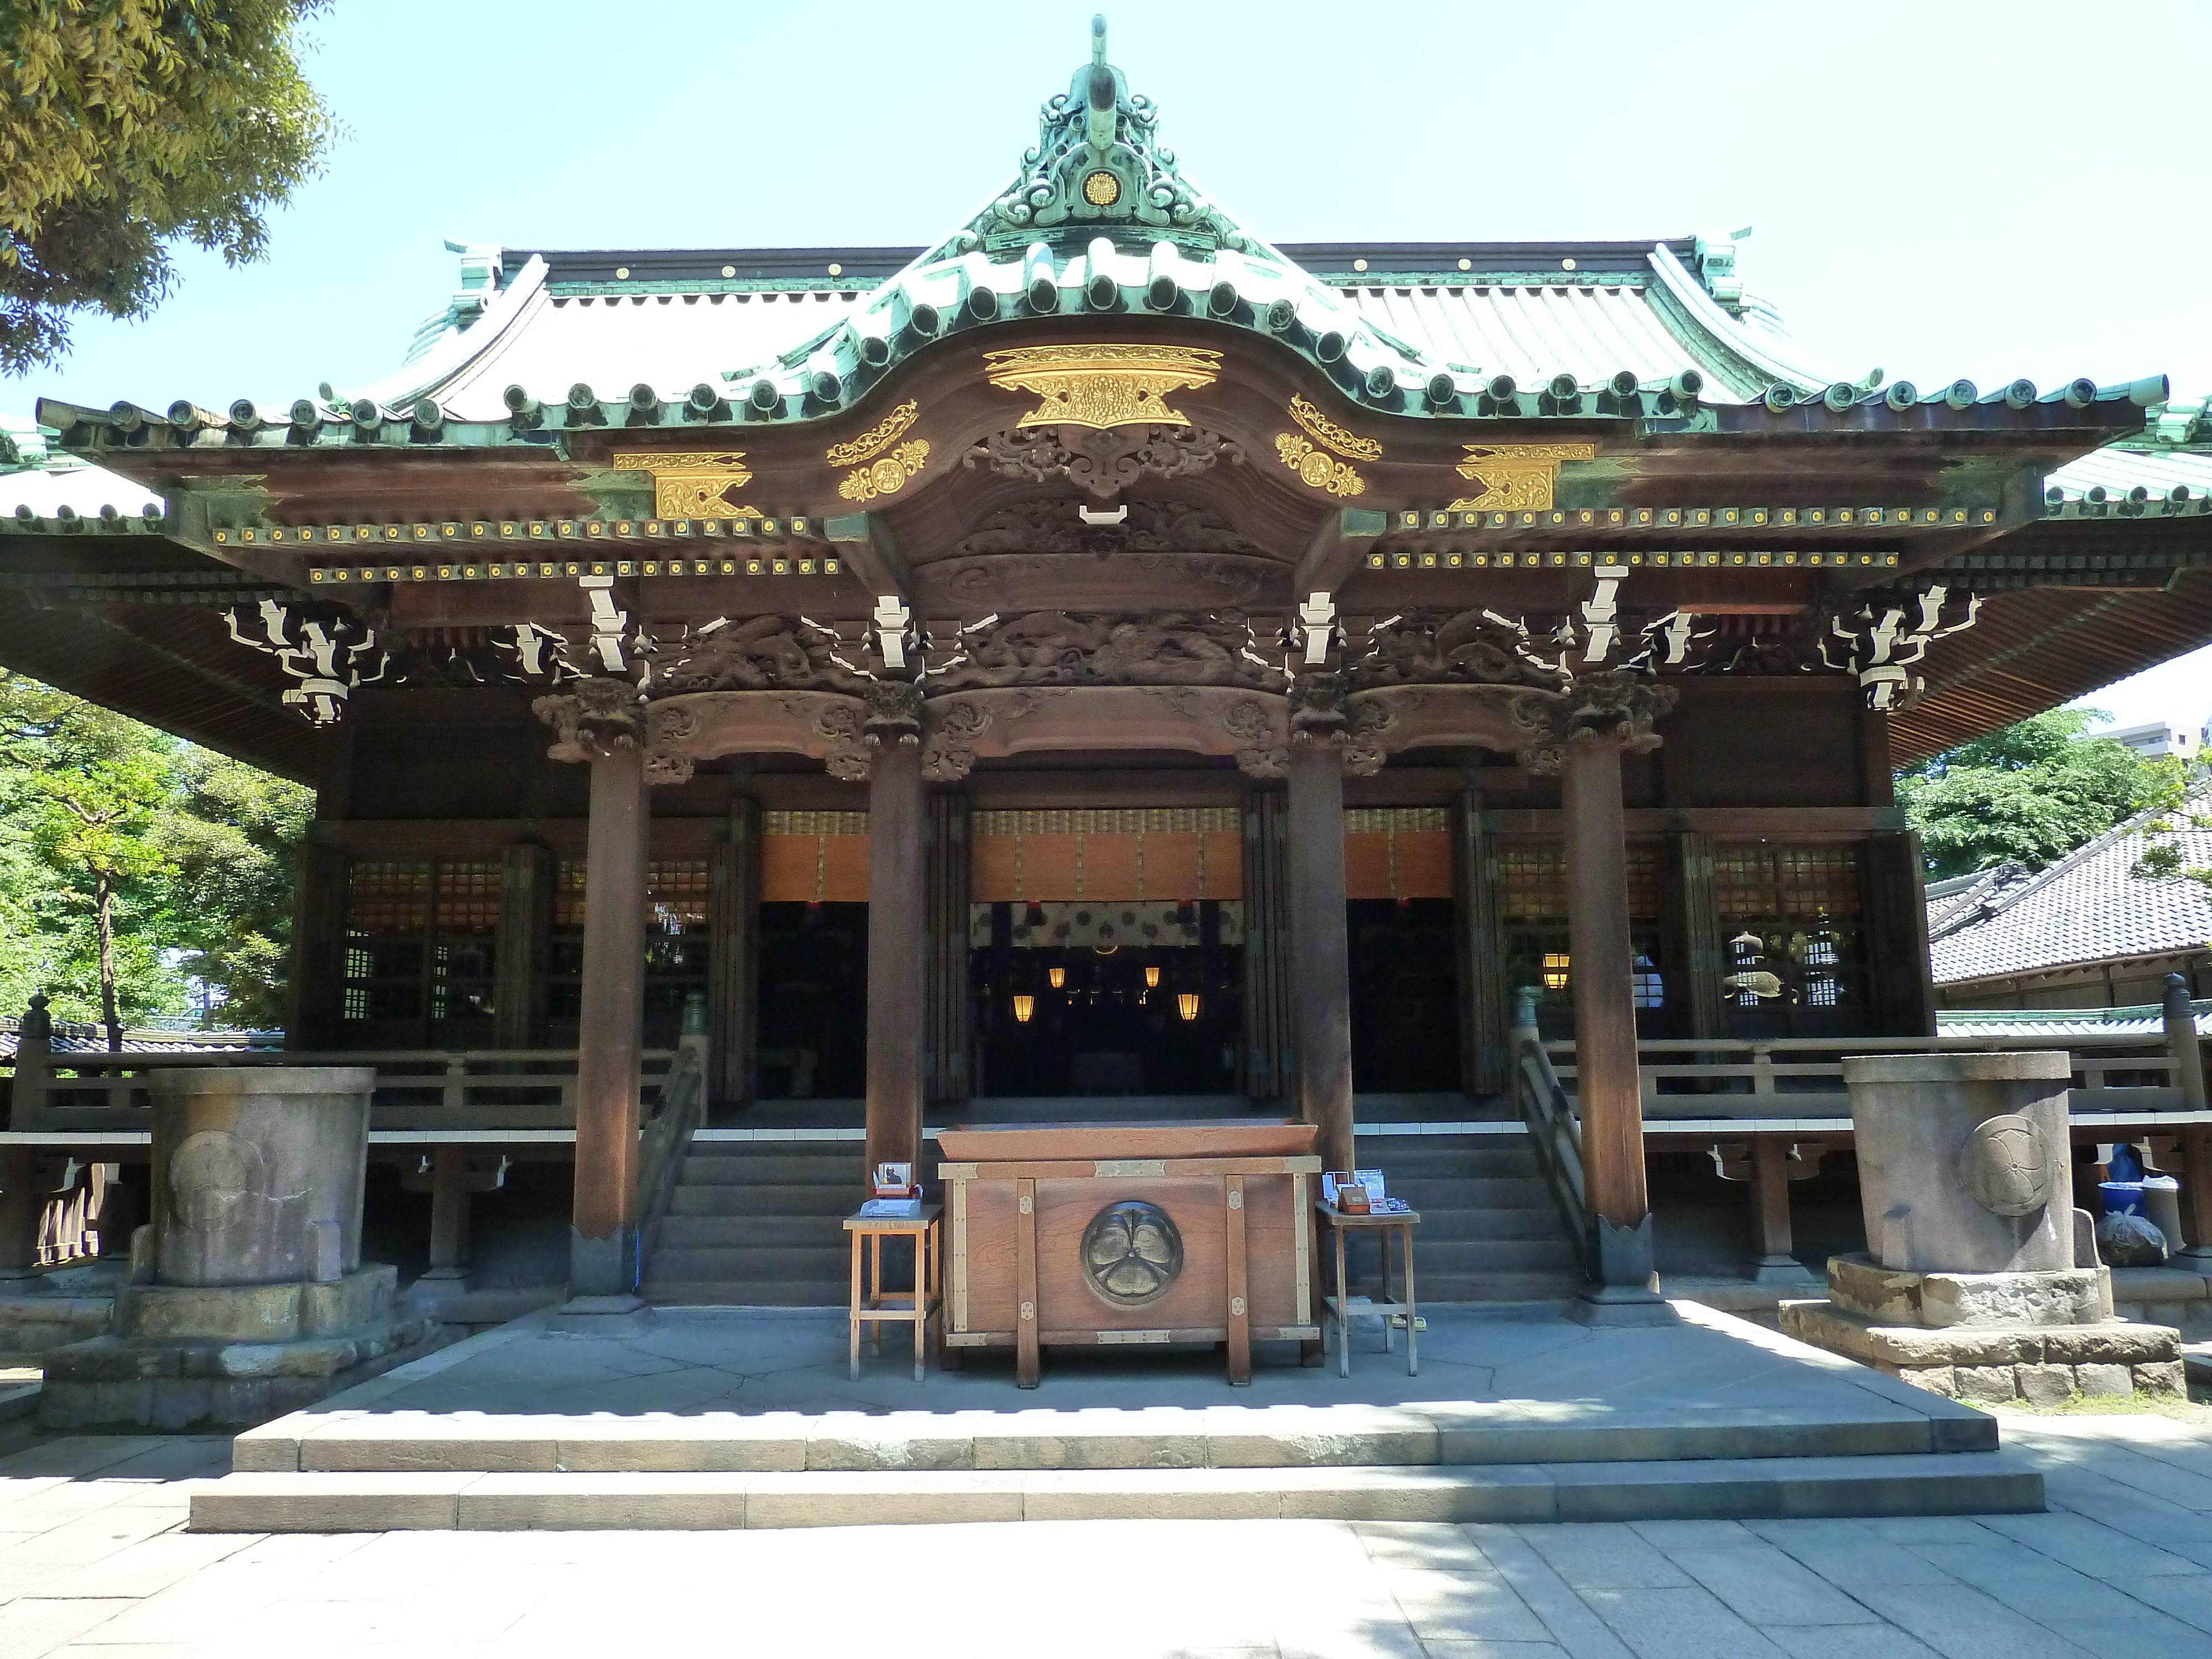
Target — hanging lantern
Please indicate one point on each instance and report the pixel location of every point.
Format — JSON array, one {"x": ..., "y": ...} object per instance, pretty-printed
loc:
[
  {"x": 1152, "y": 975},
  {"x": 1057, "y": 975},
  {"x": 1024, "y": 1005},
  {"x": 1186, "y": 1004}
]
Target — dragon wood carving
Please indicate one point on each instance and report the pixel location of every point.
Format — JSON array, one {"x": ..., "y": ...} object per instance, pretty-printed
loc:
[
  {"x": 1053, "y": 647},
  {"x": 1104, "y": 462}
]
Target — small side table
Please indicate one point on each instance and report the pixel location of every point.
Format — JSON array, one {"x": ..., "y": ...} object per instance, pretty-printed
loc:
[
  {"x": 1345, "y": 1307},
  {"x": 927, "y": 1232}
]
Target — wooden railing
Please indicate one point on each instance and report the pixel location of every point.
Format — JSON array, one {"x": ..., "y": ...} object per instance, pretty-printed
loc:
[
  {"x": 667, "y": 1136},
  {"x": 1554, "y": 1128},
  {"x": 482, "y": 1089},
  {"x": 1803, "y": 1077}
]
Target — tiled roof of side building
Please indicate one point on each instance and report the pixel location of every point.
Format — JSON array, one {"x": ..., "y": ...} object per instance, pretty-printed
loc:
[{"x": 2091, "y": 906}]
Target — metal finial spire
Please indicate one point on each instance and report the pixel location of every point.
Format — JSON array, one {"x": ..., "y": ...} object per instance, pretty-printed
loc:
[{"x": 1098, "y": 37}]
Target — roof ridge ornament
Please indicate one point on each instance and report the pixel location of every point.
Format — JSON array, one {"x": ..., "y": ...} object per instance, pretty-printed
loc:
[{"x": 1098, "y": 161}]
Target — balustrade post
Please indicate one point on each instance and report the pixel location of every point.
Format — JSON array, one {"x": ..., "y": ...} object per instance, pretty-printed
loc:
[{"x": 2187, "y": 1055}]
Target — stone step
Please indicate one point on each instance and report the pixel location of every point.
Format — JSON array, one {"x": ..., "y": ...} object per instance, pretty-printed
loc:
[
  {"x": 753, "y": 1261},
  {"x": 757, "y": 1165},
  {"x": 834, "y": 1203},
  {"x": 1958, "y": 1483},
  {"x": 734, "y": 1293}
]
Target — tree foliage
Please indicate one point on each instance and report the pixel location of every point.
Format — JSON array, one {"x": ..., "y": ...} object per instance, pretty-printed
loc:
[
  {"x": 128, "y": 125},
  {"x": 2031, "y": 793},
  {"x": 132, "y": 863}
]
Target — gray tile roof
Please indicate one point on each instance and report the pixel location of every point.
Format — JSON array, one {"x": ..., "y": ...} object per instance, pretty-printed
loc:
[{"x": 2088, "y": 907}]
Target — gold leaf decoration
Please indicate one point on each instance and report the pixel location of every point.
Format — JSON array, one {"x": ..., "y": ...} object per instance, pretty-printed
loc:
[
  {"x": 876, "y": 437},
  {"x": 1516, "y": 476},
  {"x": 1102, "y": 385},
  {"x": 1330, "y": 435},
  {"x": 887, "y": 476},
  {"x": 692, "y": 483},
  {"x": 1315, "y": 470}
]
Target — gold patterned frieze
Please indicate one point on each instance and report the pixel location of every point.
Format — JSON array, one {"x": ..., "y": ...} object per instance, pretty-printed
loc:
[
  {"x": 877, "y": 438},
  {"x": 692, "y": 483},
  {"x": 1516, "y": 476},
  {"x": 1102, "y": 385},
  {"x": 886, "y": 475},
  {"x": 1315, "y": 469},
  {"x": 1328, "y": 434}
]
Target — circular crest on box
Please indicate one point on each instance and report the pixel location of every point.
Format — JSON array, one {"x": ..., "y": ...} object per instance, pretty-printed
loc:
[
  {"x": 1132, "y": 1252},
  {"x": 2006, "y": 1165},
  {"x": 213, "y": 1177}
]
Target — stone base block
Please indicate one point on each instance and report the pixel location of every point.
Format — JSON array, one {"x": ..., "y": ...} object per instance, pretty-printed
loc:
[
  {"x": 176, "y": 1386},
  {"x": 1888, "y": 1296},
  {"x": 2040, "y": 1365},
  {"x": 256, "y": 1313}
]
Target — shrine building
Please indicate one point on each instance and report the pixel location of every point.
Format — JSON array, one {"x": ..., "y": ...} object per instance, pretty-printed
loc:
[{"x": 1104, "y": 654}]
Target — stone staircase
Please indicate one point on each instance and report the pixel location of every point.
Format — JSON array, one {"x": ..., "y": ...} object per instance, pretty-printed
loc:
[{"x": 757, "y": 1223}]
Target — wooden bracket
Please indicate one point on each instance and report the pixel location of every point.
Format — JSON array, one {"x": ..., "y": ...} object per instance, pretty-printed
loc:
[
  {"x": 1330, "y": 557},
  {"x": 866, "y": 541}
]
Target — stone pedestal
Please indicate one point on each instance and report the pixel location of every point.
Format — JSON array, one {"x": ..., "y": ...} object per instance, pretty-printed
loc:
[
  {"x": 1970, "y": 1286},
  {"x": 248, "y": 1296}
]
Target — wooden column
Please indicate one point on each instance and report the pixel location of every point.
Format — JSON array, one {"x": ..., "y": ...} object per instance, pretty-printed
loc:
[
  {"x": 525, "y": 923},
  {"x": 897, "y": 989},
  {"x": 1897, "y": 934},
  {"x": 1267, "y": 1065},
  {"x": 946, "y": 898},
  {"x": 316, "y": 990},
  {"x": 1484, "y": 995},
  {"x": 602, "y": 1235},
  {"x": 1691, "y": 935},
  {"x": 1602, "y": 966},
  {"x": 21, "y": 1203},
  {"x": 449, "y": 1212},
  {"x": 1321, "y": 981},
  {"x": 733, "y": 967}
]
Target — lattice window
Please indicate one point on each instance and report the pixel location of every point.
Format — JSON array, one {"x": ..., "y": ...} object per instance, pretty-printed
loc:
[
  {"x": 1790, "y": 917},
  {"x": 676, "y": 935},
  {"x": 1532, "y": 884},
  {"x": 422, "y": 941}
]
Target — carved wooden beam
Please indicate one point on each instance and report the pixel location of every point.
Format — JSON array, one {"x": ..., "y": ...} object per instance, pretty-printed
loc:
[
  {"x": 825, "y": 725},
  {"x": 1334, "y": 550},
  {"x": 1253, "y": 726}
]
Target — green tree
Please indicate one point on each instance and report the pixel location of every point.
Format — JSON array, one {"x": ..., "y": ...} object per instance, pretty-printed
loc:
[
  {"x": 130, "y": 861},
  {"x": 91, "y": 790},
  {"x": 233, "y": 845},
  {"x": 2032, "y": 793},
  {"x": 126, "y": 125}
]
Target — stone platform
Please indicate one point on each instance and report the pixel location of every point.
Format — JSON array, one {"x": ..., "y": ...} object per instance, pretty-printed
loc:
[
  {"x": 2041, "y": 1337},
  {"x": 745, "y": 1417}
]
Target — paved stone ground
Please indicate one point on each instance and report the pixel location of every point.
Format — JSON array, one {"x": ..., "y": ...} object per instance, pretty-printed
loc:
[{"x": 93, "y": 1562}]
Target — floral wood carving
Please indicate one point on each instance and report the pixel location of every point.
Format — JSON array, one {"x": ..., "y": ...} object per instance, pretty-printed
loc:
[
  {"x": 1151, "y": 526},
  {"x": 1105, "y": 462}
]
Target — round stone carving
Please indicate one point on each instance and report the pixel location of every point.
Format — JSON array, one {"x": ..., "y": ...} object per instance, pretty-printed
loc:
[
  {"x": 2005, "y": 1165},
  {"x": 1132, "y": 1252},
  {"x": 213, "y": 1177}
]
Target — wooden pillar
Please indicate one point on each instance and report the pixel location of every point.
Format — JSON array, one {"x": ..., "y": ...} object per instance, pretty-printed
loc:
[
  {"x": 1601, "y": 967},
  {"x": 449, "y": 1212},
  {"x": 1321, "y": 981},
  {"x": 946, "y": 899},
  {"x": 1484, "y": 995},
  {"x": 316, "y": 989},
  {"x": 526, "y": 923},
  {"x": 734, "y": 964},
  {"x": 21, "y": 1203},
  {"x": 1691, "y": 935},
  {"x": 1267, "y": 1065},
  {"x": 1897, "y": 934},
  {"x": 602, "y": 1235},
  {"x": 897, "y": 989}
]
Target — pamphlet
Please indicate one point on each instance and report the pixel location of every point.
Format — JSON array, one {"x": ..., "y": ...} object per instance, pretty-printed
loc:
[{"x": 891, "y": 1209}]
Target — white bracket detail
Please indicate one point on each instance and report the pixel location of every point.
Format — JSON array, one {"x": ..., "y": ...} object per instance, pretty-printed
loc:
[{"x": 1317, "y": 624}]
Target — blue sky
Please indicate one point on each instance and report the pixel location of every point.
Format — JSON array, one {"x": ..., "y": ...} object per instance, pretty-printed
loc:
[{"x": 1938, "y": 189}]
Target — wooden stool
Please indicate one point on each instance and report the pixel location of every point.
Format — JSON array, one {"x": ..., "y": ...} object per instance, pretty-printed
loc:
[
  {"x": 1346, "y": 1307},
  {"x": 927, "y": 1231}
]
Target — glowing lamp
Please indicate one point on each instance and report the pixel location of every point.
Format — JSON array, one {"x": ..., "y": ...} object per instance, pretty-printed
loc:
[
  {"x": 1153, "y": 976},
  {"x": 1023, "y": 1007},
  {"x": 1057, "y": 975},
  {"x": 1186, "y": 1004}
]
